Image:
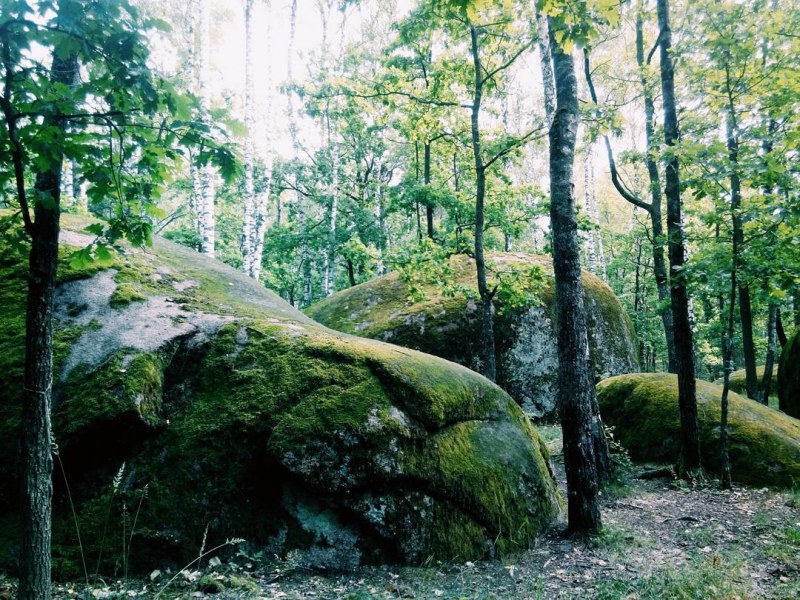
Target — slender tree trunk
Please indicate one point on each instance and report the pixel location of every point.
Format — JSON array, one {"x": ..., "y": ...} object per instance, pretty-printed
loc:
[
  {"x": 545, "y": 61},
  {"x": 196, "y": 195},
  {"x": 36, "y": 461},
  {"x": 745, "y": 310},
  {"x": 207, "y": 191},
  {"x": 576, "y": 386},
  {"x": 78, "y": 193},
  {"x": 67, "y": 185},
  {"x": 748, "y": 342},
  {"x": 727, "y": 363},
  {"x": 262, "y": 200},
  {"x": 796, "y": 306},
  {"x": 380, "y": 217},
  {"x": 656, "y": 218},
  {"x": 330, "y": 258},
  {"x": 769, "y": 362},
  {"x": 591, "y": 257},
  {"x": 426, "y": 174},
  {"x": 487, "y": 318},
  {"x": 679, "y": 296},
  {"x": 248, "y": 228},
  {"x": 779, "y": 330},
  {"x": 598, "y": 236}
]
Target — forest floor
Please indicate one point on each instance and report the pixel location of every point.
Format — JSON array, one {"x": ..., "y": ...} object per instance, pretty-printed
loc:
[{"x": 661, "y": 539}]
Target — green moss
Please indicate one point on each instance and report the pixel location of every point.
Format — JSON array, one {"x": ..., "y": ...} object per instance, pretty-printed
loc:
[
  {"x": 124, "y": 294},
  {"x": 125, "y": 384},
  {"x": 789, "y": 376},
  {"x": 764, "y": 444},
  {"x": 449, "y": 326},
  {"x": 216, "y": 431}
]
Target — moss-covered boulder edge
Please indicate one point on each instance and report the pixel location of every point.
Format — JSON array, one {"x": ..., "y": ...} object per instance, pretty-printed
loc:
[
  {"x": 527, "y": 360},
  {"x": 190, "y": 399},
  {"x": 764, "y": 444},
  {"x": 789, "y": 377}
]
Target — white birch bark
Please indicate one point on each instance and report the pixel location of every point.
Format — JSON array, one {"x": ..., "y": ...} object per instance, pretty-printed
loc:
[
  {"x": 67, "y": 183},
  {"x": 588, "y": 236},
  {"x": 548, "y": 80},
  {"x": 328, "y": 277},
  {"x": 598, "y": 236},
  {"x": 207, "y": 175},
  {"x": 249, "y": 123},
  {"x": 292, "y": 122},
  {"x": 330, "y": 259},
  {"x": 262, "y": 200},
  {"x": 380, "y": 216}
]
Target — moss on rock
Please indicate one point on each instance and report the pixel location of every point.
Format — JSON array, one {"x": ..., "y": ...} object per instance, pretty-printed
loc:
[
  {"x": 449, "y": 326},
  {"x": 789, "y": 377},
  {"x": 738, "y": 380},
  {"x": 230, "y": 410},
  {"x": 764, "y": 444}
]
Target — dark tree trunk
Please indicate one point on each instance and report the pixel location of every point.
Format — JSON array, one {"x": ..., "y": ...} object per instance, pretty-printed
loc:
[
  {"x": 779, "y": 330},
  {"x": 769, "y": 362},
  {"x": 487, "y": 318},
  {"x": 576, "y": 392},
  {"x": 727, "y": 365},
  {"x": 748, "y": 344},
  {"x": 679, "y": 297},
  {"x": 426, "y": 174},
  {"x": 36, "y": 460},
  {"x": 351, "y": 274},
  {"x": 656, "y": 218},
  {"x": 796, "y": 306},
  {"x": 36, "y": 434},
  {"x": 653, "y": 208},
  {"x": 745, "y": 309}
]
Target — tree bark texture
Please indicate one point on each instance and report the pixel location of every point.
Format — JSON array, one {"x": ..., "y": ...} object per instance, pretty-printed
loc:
[
  {"x": 248, "y": 226},
  {"x": 745, "y": 309},
  {"x": 262, "y": 200},
  {"x": 426, "y": 175},
  {"x": 679, "y": 296},
  {"x": 36, "y": 461},
  {"x": 207, "y": 187},
  {"x": 656, "y": 217},
  {"x": 576, "y": 390},
  {"x": 548, "y": 85},
  {"x": 487, "y": 317},
  {"x": 765, "y": 387}
]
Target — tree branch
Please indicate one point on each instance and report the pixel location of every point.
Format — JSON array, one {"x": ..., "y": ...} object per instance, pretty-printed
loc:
[
  {"x": 516, "y": 144},
  {"x": 623, "y": 190}
]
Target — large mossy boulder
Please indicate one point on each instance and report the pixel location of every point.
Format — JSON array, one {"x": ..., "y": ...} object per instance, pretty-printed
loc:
[
  {"x": 789, "y": 377},
  {"x": 190, "y": 399},
  {"x": 448, "y": 326},
  {"x": 764, "y": 444}
]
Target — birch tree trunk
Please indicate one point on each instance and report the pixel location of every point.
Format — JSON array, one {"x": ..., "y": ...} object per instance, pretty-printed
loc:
[
  {"x": 330, "y": 258},
  {"x": 291, "y": 118},
  {"x": 67, "y": 183},
  {"x": 380, "y": 216},
  {"x": 207, "y": 184},
  {"x": 591, "y": 257},
  {"x": 249, "y": 123},
  {"x": 545, "y": 60},
  {"x": 262, "y": 200}
]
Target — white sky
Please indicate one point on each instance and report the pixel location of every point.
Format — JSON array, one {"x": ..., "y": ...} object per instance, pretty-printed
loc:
[{"x": 270, "y": 57}]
